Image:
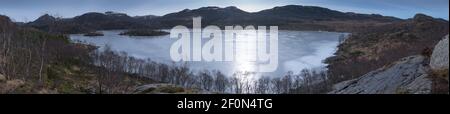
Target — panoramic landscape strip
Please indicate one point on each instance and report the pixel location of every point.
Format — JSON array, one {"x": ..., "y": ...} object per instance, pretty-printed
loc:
[{"x": 281, "y": 49}]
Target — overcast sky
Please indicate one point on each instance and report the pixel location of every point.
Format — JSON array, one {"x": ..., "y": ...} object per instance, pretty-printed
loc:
[{"x": 29, "y": 10}]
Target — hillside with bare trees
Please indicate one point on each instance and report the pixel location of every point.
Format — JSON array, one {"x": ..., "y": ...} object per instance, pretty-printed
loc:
[{"x": 33, "y": 61}]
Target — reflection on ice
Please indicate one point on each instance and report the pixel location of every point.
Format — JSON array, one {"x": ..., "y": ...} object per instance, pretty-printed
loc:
[{"x": 297, "y": 50}]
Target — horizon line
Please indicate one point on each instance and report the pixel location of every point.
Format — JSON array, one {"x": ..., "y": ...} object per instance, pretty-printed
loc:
[{"x": 128, "y": 13}]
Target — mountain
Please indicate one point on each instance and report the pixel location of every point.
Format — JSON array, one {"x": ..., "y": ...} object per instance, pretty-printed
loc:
[
  {"x": 287, "y": 17},
  {"x": 297, "y": 12},
  {"x": 107, "y": 20},
  {"x": 210, "y": 16},
  {"x": 145, "y": 18},
  {"x": 50, "y": 24},
  {"x": 375, "y": 47},
  {"x": 292, "y": 17},
  {"x": 45, "y": 19},
  {"x": 5, "y": 23},
  {"x": 297, "y": 17},
  {"x": 86, "y": 23}
]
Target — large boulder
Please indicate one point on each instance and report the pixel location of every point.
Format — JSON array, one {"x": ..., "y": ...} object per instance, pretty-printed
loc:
[
  {"x": 409, "y": 75},
  {"x": 439, "y": 58}
]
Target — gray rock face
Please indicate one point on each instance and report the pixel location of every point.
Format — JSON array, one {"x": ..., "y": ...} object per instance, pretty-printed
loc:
[
  {"x": 420, "y": 85},
  {"x": 405, "y": 76},
  {"x": 439, "y": 59}
]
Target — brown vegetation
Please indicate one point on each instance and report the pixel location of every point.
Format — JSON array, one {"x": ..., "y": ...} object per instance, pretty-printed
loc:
[
  {"x": 440, "y": 82},
  {"x": 376, "y": 47}
]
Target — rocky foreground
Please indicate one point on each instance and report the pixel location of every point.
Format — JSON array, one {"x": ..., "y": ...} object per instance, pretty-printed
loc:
[{"x": 410, "y": 75}]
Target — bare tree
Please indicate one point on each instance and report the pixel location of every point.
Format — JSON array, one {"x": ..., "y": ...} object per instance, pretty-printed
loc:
[
  {"x": 206, "y": 80},
  {"x": 262, "y": 85},
  {"x": 221, "y": 82}
]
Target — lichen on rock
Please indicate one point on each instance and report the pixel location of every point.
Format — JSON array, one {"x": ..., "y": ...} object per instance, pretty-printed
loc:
[
  {"x": 407, "y": 76},
  {"x": 439, "y": 58}
]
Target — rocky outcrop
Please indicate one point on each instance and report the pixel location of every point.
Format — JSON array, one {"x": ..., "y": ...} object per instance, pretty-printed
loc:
[
  {"x": 375, "y": 47},
  {"x": 409, "y": 75},
  {"x": 439, "y": 58}
]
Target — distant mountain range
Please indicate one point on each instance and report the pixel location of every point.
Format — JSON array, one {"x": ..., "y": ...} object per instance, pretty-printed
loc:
[
  {"x": 87, "y": 22},
  {"x": 294, "y": 17}
]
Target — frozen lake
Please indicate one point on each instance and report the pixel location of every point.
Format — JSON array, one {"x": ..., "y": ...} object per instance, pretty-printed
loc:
[{"x": 297, "y": 50}]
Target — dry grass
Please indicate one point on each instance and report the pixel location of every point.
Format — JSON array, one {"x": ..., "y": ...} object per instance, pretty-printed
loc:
[{"x": 440, "y": 82}]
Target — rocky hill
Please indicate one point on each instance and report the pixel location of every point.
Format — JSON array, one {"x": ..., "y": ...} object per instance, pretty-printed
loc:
[
  {"x": 45, "y": 19},
  {"x": 210, "y": 16},
  {"x": 373, "y": 48},
  {"x": 410, "y": 75},
  {"x": 439, "y": 60},
  {"x": 88, "y": 22},
  {"x": 107, "y": 20},
  {"x": 6, "y": 23}
]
